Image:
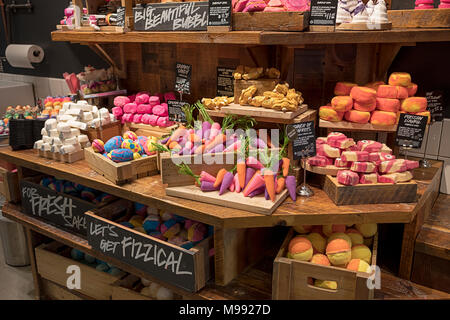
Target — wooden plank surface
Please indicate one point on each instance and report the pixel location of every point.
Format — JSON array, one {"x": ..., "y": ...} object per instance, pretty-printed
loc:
[
  {"x": 428, "y": 18},
  {"x": 270, "y": 21},
  {"x": 350, "y": 126},
  {"x": 370, "y": 193},
  {"x": 363, "y": 27},
  {"x": 327, "y": 170},
  {"x": 318, "y": 209},
  {"x": 257, "y": 204},
  {"x": 260, "y": 37},
  {"x": 274, "y": 115}
]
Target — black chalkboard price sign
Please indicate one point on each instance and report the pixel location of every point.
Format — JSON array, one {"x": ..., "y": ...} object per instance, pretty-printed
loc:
[
  {"x": 167, "y": 262},
  {"x": 225, "y": 84},
  {"x": 59, "y": 209},
  {"x": 411, "y": 130},
  {"x": 120, "y": 18},
  {"x": 303, "y": 139},
  {"x": 219, "y": 13},
  {"x": 435, "y": 102},
  {"x": 171, "y": 16},
  {"x": 175, "y": 112},
  {"x": 183, "y": 77},
  {"x": 323, "y": 12}
]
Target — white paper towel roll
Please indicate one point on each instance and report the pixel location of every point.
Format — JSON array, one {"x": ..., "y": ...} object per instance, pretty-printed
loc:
[{"x": 22, "y": 55}]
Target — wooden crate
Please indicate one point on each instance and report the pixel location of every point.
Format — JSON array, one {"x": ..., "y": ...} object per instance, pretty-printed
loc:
[
  {"x": 194, "y": 265},
  {"x": 270, "y": 21},
  {"x": 404, "y": 192},
  {"x": 52, "y": 261},
  {"x": 428, "y": 18},
  {"x": 261, "y": 85},
  {"x": 67, "y": 158},
  {"x": 9, "y": 185},
  {"x": 291, "y": 278},
  {"x": 120, "y": 173},
  {"x": 104, "y": 133},
  {"x": 148, "y": 130}
]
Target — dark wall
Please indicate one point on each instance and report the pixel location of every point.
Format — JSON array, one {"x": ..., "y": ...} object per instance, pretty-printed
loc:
[{"x": 35, "y": 28}]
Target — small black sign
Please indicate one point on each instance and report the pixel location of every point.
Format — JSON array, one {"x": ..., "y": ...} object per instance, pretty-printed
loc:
[
  {"x": 62, "y": 210},
  {"x": 411, "y": 130},
  {"x": 171, "y": 16},
  {"x": 225, "y": 82},
  {"x": 303, "y": 139},
  {"x": 219, "y": 13},
  {"x": 323, "y": 12},
  {"x": 183, "y": 77},
  {"x": 435, "y": 102},
  {"x": 120, "y": 17},
  {"x": 175, "y": 112},
  {"x": 164, "y": 261}
]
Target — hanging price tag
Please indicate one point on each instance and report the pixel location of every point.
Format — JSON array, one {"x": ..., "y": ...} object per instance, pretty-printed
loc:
[
  {"x": 183, "y": 77},
  {"x": 411, "y": 130},
  {"x": 303, "y": 139}
]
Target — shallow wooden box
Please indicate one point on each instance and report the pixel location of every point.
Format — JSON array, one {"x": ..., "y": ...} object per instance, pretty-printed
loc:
[
  {"x": 52, "y": 261},
  {"x": 291, "y": 278},
  {"x": 104, "y": 133},
  {"x": 403, "y": 192},
  {"x": 120, "y": 173},
  {"x": 261, "y": 85},
  {"x": 428, "y": 18},
  {"x": 270, "y": 21},
  {"x": 67, "y": 158},
  {"x": 9, "y": 185},
  {"x": 142, "y": 129}
]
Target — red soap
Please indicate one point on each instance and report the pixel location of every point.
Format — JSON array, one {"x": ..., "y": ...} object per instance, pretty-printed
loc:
[
  {"x": 351, "y": 156},
  {"x": 369, "y": 146},
  {"x": 364, "y": 167},
  {"x": 347, "y": 177},
  {"x": 368, "y": 178},
  {"x": 320, "y": 161}
]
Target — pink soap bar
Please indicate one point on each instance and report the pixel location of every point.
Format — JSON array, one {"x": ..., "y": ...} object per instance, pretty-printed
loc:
[
  {"x": 368, "y": 178},
  {"x": 424, "y": 2},
  {"x": 338, "y": 162},
  {"x": 274, "y": 9},
  {"x": 327, "y": 151},
  {"x": 364, "y": 167},
  {"x": 146, "y": 118},
  {"x": 117, "y": 112},
  {"x": 153, "y": 100},
  {"x": 352, "y": 148},
  {"x": 142, "y": 98},
  {"x": 120, "y": 101},
  {"x": 444, "y": 6},
  {"x": 255, "y": 5},
  {"x": 374, "y": 156},
  {"x": 411, "y": 164},
  {"x": 333, "y": 137},
  {"x": 321, "y": 140},
  {"x": 369, "y": 146},
  {"x": 347, "y": 177},
  {"x": 127, "y": 117},
  {"x": 137, "y": 118},
  {"x": 160, "y": 110},
  {"x": 169, "y": 96},
  {"x": 132, "y": 97},
  {"x": 144, "y": 108},
  {"x": 351, "y": 156},
  {"x": 424, "y": 6},
  {"x": 130, "y": 107},
  {"x": 320, "y": 161},
  {"x": 345, "y": 144},
  {"x": 153, "y": 119},
  {"x": 386, "y": 156},
  {"x": 162, "y": 121},
  {"x": 396, "y": 177},
  {"x": 392, "y": 166}
]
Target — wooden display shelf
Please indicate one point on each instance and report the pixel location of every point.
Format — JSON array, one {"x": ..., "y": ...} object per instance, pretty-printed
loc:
[
  {"x": 351, "y": 126},
  {"x": 270, "y": 21},
  {"x": 105, "y": 94},
  {"x": 255, "y": 283},
  {"x": 318, "y": 209},
  {"x": 428, "y": 18},
  {"x": 259, "y": 37}
]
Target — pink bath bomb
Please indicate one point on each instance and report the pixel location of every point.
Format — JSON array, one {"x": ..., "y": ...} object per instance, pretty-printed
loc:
[
  {"x": 163, "y": 121},
  {"x": 160, "y": 110},
  {"x": 117, "y": 112},
  {"x": 153, "y": 119},
  {"x": 144, "y": 108},
  {"x": 169, "y": 96},
  {"x": 132, "y": 97},
  {"x": 153, "y": 100},
  {"x": 146, "y": 118},
  {"x": 137, "y": 118},
  {"x": 120, "y": 101},
  {"x": 141, "y": 98},
  {"x": 127, "y": 117},
  {"x": 130, "y": 107}
]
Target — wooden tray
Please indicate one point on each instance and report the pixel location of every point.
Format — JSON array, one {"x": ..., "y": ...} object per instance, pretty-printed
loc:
[
  {"x": 328, "y": 170},
  {"x": 270, "y": 21},
  {"x": 363, "y": 27},
  {"x": 104, "y": 133},
  {"x": 263, "y": 112},
  {"x": 67, "y": 158},
  {"x": 261, "y": 85},
  {"x": 290, "y": 278},
  {"x": 257, "y": 204},
  {"x": 120, "y": 173},
  {"x": 428, "y": 18},
  {"x": 91, "y": 29},
  {"x": 404, "y": 192},
  {"x": 148, "y": 130},
  {"x": 351, "y": 126}
]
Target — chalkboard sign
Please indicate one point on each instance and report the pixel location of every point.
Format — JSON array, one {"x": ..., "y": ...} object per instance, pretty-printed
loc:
[
  {"x": 120, "y": 17},
  {"x": 162, "y": 260},
  {"x": 411, "y": 130},
  {"x": 303, "y": 139},
  {"x": 225, "y": 82},
  {"x": 175, "y": 112},
  {"x": 171, "y": 16},
  {"x": 435, "y": 102},
  {"x": 219, "y": 13},
  {"x": 323, "y": 12},
  {"x": 183, "y": 77},
  {"x": 62, "y": 210}
]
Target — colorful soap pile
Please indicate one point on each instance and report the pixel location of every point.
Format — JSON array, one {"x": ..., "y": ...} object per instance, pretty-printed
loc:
[
  {"x": 52, "y": 106},
  {"x": 167, "y": 226},
  {"x": 76, "y": 190},
  {"x": 364, "y": 162},
  {"x": 144, "y": 108},
  {"x": 27, "y": 111},
  {"x": 444, "y": 4},
  {"x": 126, "y": 148},
  {"x": 156, "y": 291},
  {"x": 62, "y": 135},
  {"x": 281, "y": 98},
  {"x": 377, "y": 103},
  {"x": 337, "y": 245},
  {"x": 271, "y": 5},
  {"x": 95, "y": 263}
]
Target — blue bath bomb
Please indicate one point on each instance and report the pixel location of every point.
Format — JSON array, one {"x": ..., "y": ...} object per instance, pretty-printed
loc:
[
  {"x": 46, "y": 181},
  {"x": 113, "y": 143},
  {"x": 102, "y": 267},
  {"x": 121, "y": 155},
  {"x": 89, "y": 258},
  {"x": 77, "y": 254}
]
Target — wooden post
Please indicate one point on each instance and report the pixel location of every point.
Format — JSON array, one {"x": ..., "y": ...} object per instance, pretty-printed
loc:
[
  {"x": 32, "y": 243},
  {"x": 366, "y": 57},
  {"x": 129, "y": 17}
]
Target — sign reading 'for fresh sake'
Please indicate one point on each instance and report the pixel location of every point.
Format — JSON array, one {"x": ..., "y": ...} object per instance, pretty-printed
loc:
[
  {"x": 171, "y": 16},
  {"x": 164, "y": 261}
]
